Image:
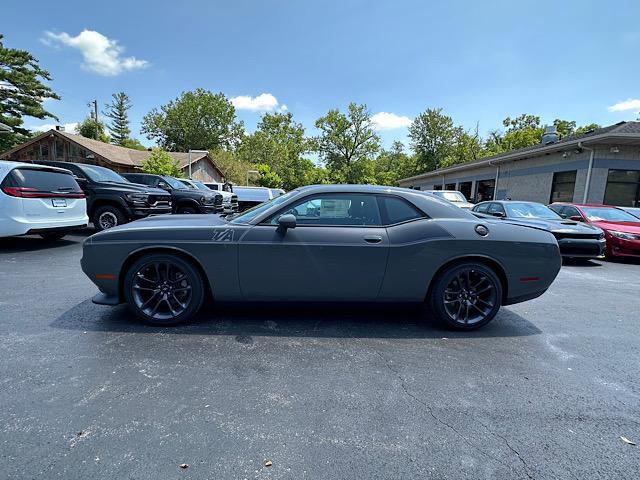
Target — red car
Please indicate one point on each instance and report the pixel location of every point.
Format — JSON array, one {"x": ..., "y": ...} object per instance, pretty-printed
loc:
[{"x": 621, "y": 229}]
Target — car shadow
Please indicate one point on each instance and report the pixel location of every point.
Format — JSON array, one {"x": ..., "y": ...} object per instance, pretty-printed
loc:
[
  {"x": 577, "y": 262},
  {"x": 32, "y": 243},
  {"x": 295, "y": 320}
]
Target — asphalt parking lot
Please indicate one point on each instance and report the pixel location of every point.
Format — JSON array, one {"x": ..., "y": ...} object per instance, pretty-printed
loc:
[{"x": 544, "y": 391}]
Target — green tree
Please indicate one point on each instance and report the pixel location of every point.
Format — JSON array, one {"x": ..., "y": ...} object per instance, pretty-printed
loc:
[
  {"x": 267, "y": 177},
  {"x": 91, "y": 129},
  {"x": 467, "y": 146},
  {"x": 234, "y": 167},
  {"x": 393, "y": 164},
  {"x": 197, "y": 119},
  {"x": 118, "y": 112},
  {"x": 279, "y": 142},
  {"x": 132, "y": 143},
  {"x": 347, "y": 143},
  {"x": 161, "y": 163},
  {"x": 433, "y": 136},
  {"x": 586, "y": 128},
  {"x": 22, "y": 93},
  {"x": 565, "y": 128}
]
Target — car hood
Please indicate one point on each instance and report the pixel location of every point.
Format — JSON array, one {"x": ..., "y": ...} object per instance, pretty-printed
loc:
[
  {"x": 195, "y": 194},
  {"x": 132, "y": 188},
  {"x": 558, "y": 226},
  {"x": 627, "y": 227}
]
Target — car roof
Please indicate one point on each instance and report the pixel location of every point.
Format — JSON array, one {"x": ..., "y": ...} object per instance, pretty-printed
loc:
[{"x": 591, "y": 205}]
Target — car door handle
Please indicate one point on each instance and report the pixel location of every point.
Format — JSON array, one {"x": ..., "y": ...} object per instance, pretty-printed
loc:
[{"x": 373, "y": 239}]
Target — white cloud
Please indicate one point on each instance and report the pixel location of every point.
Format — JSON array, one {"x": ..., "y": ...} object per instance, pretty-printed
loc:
[
  {"x": 389, "y": 121},
  {"x": 100, "y": 54},
  {"x": 265, "y": 102},
  {"x": 628, "y": 104},
  {"x": 68, "y": 127}
]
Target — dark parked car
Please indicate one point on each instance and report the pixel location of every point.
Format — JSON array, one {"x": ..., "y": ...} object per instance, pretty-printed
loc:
[
  {"x": 111, "y": 199},
  {"x": 229, "y": 200},
  {"x": 325, "y": 243},
  {"x": 622, "y": 230},
  {"x": 576, "y": 240},
  {"x": 184, "y": 199}
]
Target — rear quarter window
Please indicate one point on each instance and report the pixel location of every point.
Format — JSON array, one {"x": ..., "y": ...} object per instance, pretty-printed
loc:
[{"x": 396, "y": 210}]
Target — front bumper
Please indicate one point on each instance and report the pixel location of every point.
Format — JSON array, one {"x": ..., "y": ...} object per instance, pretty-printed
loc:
[
  {"x": 619, "y": 247},
  {"x": 582, "y": 248},
  {"x": 210, "y": 208},
  {"x": 136, "y": 212}
]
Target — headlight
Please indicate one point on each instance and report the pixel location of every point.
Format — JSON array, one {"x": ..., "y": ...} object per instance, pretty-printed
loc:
[
  {"x": 623, "y": 235},
  {"x": 138, "y": 197},
  {"x": 601, "y": 236}
]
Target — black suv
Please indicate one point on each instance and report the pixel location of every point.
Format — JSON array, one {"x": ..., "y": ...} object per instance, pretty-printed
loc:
[
  {"x": 185, "y": 199},
  {"x": 111, "y": 199}
]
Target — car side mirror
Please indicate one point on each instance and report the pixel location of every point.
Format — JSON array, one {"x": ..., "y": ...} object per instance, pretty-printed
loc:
[
  {"x": 164, "y": 186},
  {"x": 576, "y": 218},
  {"x": 286, "y": 222},
  {"x": 498, "y": 214}
]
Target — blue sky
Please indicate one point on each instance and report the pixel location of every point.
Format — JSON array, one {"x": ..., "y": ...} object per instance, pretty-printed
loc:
[{"x": 479, "y": 61}]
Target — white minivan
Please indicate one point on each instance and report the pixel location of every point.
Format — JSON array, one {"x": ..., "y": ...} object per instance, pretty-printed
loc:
[{"x": 38, "y": 199}]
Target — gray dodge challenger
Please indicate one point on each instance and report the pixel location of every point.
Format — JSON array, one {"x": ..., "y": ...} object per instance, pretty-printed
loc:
[{"x": 355, "y": 243}]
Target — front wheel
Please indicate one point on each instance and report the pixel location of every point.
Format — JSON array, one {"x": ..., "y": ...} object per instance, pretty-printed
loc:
[
  {"x": 108, "y": 217},
  {"x": 466, "y": 296},
  {"x": 163, "y": 289},
  {"x": 187, "y": 210}
]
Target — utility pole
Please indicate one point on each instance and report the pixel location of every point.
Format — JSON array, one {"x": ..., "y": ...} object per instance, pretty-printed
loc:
[{"x": 94, "y": 115}]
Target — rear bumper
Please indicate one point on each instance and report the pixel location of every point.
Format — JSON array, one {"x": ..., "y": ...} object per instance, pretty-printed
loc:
[
  {"x": 21, "y": 226},
  {"x": 582, "y": 248}
]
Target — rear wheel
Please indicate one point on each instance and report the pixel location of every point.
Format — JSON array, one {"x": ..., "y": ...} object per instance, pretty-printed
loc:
[
  {"x": 466, "y": 296},
  {"x": 53, "y": 236},
  {"x": 163, "y": 289},
  {"x": 108, "y": 217}
]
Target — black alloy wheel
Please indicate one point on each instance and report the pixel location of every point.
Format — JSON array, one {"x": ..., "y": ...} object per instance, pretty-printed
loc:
[
  {"x": 466, "y": 296},
  {"x": 164, "y": 289},
  {"x": 107, "y": 217},
  {"x": 187, "y": 210}
]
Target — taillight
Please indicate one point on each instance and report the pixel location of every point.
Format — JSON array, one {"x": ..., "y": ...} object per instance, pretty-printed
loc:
[{"x": 28, "y": 192}]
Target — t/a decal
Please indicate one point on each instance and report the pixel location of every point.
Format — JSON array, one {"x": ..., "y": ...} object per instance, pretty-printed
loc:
[{"x": 223, "y": 235}]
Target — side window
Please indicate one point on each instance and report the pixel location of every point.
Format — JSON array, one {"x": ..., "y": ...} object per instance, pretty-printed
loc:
[
  {"x": 482, "y": 208},
  {"x": 396, "y": 210},
  {"x": 571, "y": 212},
  {"x": 496, "y": 208},
  {"x": 334, "y": 210}
]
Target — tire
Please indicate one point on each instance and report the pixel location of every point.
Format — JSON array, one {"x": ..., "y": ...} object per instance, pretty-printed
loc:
[
  {"x": 466, "y": 296},
  {"x": 107, "y": 217},
  {"x": 53, "y": 236},
  {"x": 186, "y": 210},
  {"x": 163, "y": 289}
]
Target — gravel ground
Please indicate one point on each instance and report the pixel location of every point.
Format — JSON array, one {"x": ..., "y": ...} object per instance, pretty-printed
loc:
[{"x": 544, "y": 391}]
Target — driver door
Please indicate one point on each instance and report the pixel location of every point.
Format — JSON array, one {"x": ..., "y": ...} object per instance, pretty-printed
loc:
[{"x": 338, "y": 251}]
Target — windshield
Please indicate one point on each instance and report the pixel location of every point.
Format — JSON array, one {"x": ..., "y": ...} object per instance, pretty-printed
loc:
[
  {"x": 451, "y": 196},
  {"x": 596, "y": 214},
  {"x": 101, "y": 174},
  {"x": 173, "y": 183},
  {"x": 200, "y": 185},
  {"x": 530, "y": 210},
  {"x": 248, "y": 215}
]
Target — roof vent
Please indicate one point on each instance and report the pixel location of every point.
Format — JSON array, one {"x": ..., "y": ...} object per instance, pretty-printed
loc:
[
  {"x": 60, "y": 128},
  {"x": 550, "y": 135}
]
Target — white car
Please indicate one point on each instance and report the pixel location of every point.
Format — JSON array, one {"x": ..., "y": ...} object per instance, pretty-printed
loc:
[
  {"x": 38, "y": 199},
  {"x": 454, "y": 196}
]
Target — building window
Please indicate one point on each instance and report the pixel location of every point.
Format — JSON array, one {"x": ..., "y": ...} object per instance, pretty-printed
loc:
[
  {"x": 74, "y": 151},
  {"x": 465, "y": 189},
  {"x": 438, "y": 186},
  {"x": 563, "y": 186},
  {"x": 623, "y": 188},
  {"x": 450, "y": 186},
  {"x": 485, "y": 189},
  {"x": 59, "y": 146},
  {"x": 44, "y": 151}
]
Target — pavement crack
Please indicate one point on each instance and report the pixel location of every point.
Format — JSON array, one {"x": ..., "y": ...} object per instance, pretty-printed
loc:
[
  {"x": 427, "y": 407},
  {"x": 513, "y": 450}
]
